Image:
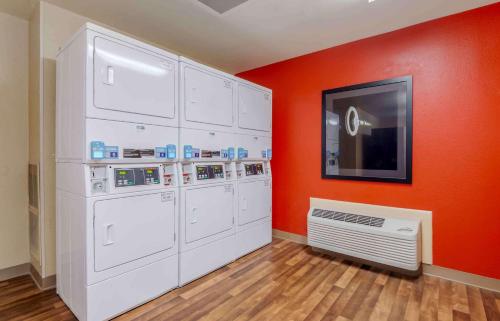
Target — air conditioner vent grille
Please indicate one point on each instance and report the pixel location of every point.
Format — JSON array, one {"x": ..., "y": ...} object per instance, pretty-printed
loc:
[{"x": 350, "y": 218}]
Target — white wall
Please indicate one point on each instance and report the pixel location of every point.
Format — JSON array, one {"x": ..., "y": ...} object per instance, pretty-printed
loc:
[{"x": 14, "y": 244}]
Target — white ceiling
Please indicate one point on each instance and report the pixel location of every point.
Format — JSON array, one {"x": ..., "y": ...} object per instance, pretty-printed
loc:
[{"x": 258, "y": 32}]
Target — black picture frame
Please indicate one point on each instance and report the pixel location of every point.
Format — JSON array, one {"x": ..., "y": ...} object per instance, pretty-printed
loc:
[{"x": 408, "y": 80}]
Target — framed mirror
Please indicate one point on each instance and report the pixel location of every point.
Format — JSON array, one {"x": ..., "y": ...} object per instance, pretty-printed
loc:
[{"x": 367, "y": 131}]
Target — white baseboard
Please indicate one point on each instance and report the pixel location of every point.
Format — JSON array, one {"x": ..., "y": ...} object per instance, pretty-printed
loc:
[{"x": 432, "y": 270}]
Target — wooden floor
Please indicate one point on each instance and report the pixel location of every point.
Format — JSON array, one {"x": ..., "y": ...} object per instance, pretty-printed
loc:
[{"x": 283, "y": 281}]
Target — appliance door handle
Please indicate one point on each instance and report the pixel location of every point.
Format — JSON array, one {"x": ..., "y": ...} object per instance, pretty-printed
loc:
[
  {"x": 194, "y": 215},
  {"x": 110, "y": 76},
  {"x": 109, "y": 234}
]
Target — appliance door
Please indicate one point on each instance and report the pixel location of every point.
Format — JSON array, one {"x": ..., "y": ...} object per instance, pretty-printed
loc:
[
  {"x": 209, "y": 211},
  {"x": 133, "y": 227},
  {"x": 254, "y": 108},
  {"x": 208, "y": 97},
  {"x": 130, "y": 80},
  {"x": 254, "y": 201}
]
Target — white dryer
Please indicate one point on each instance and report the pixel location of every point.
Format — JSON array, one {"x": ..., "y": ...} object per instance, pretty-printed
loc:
[
  {"x": 207, "y": 97},
  {"x": 117, "y": 99},
  {"x": 254, "y": 109},
  {"x": 207, "y": 223},
  {"x": 116, "y": 236},
  {"x": 116, "y": 77}
]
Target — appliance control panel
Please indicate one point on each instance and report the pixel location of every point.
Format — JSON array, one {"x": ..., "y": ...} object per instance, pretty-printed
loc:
[
  {"x": 136, "y": 176},
  {"x": 254, "y": 169},
  {"x": 204, "y": 172},
  {"x": 120, "y": 178}
]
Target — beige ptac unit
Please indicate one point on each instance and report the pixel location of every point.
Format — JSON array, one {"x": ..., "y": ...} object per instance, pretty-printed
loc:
[{"x": 117, "y": 179}]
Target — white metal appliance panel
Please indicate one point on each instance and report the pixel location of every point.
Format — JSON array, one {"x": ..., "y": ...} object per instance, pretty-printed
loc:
[
  {"x": 130, "y": 80},
  {"x": 208, "y": 97},
  {"x": 254, "y": 144},
  {"x": 254, "y": 237},
  {"x": 206, "y": 258},
  {"x": 129, "y": 135},
  {"x": 209, "y": 211},
  {"x": 130, "y": 228},
  {"x": 254, "y": 108},
  {"x": 254, "y": 201},
  {"x": 114, "y": 296},
  {"x": 70, "y": 101}
]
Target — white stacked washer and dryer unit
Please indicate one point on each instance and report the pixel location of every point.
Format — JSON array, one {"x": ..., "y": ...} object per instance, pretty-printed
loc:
[
  {"x": 225, "y": 138},
  {"x": 162, "y": 171}
]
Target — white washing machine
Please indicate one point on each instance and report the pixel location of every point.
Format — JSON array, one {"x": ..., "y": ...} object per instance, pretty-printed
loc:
[
  {"x": 208, "y": 202},
  {"x": 116, "y": 236},
  {"x": 254, "y": 216},
  {"x": 207, "y": 222}
]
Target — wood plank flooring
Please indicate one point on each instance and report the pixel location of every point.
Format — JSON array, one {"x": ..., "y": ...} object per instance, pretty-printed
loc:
[{"x": 280, "y": 282}]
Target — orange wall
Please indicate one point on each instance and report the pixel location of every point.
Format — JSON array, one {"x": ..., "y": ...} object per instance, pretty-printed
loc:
[{"x": 455, "y": 63}]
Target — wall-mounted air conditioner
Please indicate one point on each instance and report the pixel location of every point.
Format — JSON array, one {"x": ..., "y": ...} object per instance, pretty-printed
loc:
[{"x": 387, "y": 241}]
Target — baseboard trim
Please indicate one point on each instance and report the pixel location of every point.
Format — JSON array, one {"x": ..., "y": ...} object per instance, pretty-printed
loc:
[
  {"x": 14, "y": 271},
  {"x": 432, "y": 270},
  {"x": 297, "y": 238},
  {"x": 46, "y": 283},
  {"x": 462, "y": 277}
]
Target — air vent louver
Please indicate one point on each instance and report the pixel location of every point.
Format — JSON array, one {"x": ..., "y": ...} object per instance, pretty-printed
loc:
[{"x": 350, "y": 218}]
